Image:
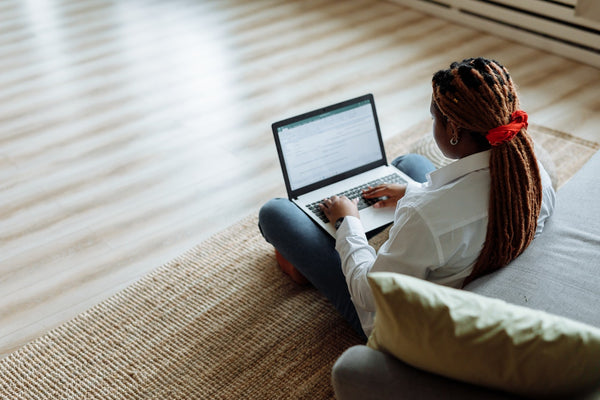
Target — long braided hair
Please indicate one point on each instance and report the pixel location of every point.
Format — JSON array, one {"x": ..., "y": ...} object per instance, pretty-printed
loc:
[{"x": 474, "y": 96}]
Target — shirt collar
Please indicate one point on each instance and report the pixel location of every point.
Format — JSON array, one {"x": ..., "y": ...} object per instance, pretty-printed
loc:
[{"x": 458, "y": 169}]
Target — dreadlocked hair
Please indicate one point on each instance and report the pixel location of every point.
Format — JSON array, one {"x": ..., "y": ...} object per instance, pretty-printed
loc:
[{"x": 475, "y": 96}]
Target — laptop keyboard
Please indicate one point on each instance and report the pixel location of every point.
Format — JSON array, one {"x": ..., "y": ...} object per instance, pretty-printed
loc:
[{"x": 357, "y": 192}]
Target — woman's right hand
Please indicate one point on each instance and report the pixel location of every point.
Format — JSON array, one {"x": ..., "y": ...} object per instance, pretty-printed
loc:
[{"x": 390, "y": 194}]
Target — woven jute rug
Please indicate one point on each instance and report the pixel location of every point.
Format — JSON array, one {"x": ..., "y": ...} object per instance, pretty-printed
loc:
[{"x": 219, "y": 322}]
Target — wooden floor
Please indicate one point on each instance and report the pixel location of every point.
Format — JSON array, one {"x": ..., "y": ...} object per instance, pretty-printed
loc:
[{"x": 132, "y": 130}]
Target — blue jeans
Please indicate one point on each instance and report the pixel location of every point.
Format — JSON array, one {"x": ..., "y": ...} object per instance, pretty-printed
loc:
[{"x": 312, "y": 251}]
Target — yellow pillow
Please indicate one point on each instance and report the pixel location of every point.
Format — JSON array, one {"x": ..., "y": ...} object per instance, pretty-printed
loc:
[{"x": 484, "y": 341}]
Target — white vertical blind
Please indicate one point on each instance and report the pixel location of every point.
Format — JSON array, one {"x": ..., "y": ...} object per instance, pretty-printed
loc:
[{"x": 552, "y": 25}]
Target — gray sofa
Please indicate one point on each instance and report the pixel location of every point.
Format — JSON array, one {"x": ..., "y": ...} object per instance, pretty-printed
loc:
[{"x": 559, "y": 273}]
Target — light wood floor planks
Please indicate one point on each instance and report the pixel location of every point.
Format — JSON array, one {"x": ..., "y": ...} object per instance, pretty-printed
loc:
[{"x": 132, "y": 130}]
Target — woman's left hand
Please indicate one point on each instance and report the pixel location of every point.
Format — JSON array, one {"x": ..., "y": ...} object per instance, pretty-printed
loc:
[
  {"x": 390, "y": 194},
  {"x": 336, "y": 207}
]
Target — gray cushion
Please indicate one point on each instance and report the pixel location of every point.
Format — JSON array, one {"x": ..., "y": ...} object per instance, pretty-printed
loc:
[{"x": 364, "y": 373}]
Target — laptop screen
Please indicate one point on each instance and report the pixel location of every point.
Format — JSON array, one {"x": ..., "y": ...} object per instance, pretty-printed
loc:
[{"x": 329, "y": 144}]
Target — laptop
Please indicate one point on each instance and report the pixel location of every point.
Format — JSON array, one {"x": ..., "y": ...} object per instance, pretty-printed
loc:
[{"x": 336, "y": 150}]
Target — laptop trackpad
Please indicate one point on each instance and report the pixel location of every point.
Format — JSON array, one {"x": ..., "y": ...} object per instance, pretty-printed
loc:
[{"x": 373, "y": 218}]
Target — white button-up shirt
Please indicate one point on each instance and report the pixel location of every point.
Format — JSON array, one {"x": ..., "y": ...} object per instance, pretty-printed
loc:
[{"x": 438, "y": 232}]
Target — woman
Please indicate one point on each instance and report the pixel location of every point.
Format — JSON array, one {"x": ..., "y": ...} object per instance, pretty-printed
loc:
[{"x": 470, "y": 218}]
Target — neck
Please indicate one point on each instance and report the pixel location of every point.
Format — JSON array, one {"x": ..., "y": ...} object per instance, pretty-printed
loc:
[{"x": 471, "y": 143}]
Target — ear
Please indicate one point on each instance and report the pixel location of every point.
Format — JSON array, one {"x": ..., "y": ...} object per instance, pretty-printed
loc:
[{"x": 452, "y": 130}]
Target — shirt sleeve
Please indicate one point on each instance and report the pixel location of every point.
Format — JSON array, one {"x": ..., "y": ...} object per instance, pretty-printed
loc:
[
  {"x": 357, "y": 258},
  {"x": 548, "y": 200},
  {"x": 411, "y": 250}
]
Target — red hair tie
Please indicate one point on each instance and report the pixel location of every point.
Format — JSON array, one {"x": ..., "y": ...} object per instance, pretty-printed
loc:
[{"x": 504, "y": 133}]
